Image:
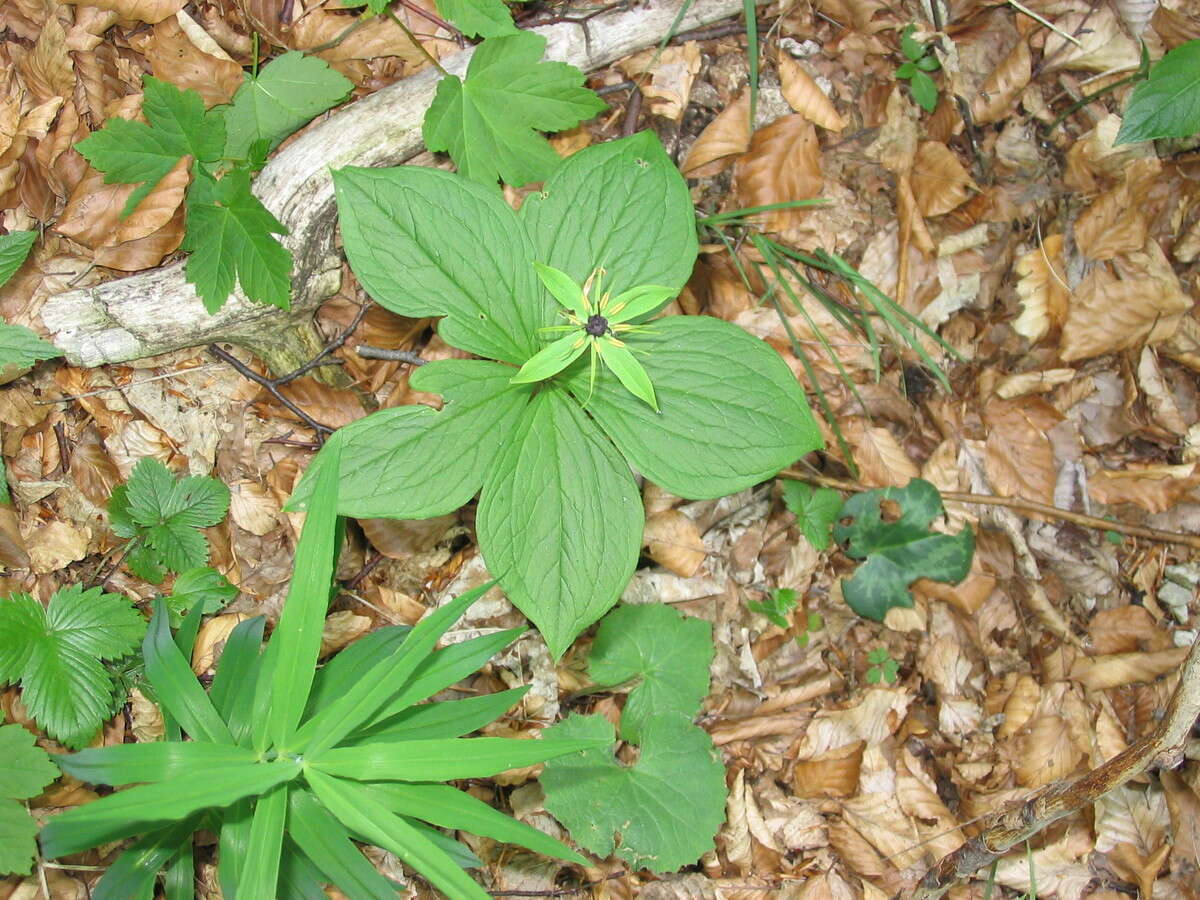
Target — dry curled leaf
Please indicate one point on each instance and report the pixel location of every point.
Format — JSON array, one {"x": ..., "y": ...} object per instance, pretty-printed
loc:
[
  {"x": 668, "y": 85},
  {"x": 881, "y": 460},
  {"x": 174, "y": 57},
  {"x": 1103, "y": 46},
  {"x": 1118, "y": 220},
  {"x": 1003, "y": 86},
  {"x": 1154, "y": 488},
  {"x": 805, "y": 97},
  {"x": 1018, "y": 457},
  {"x": 783, "y": 164},
  {"x": 148, "y": 11},
  {"x": 1045, "y": 297},
  {"x": 831, "y": 774},
  {"x": 940, "y": 183},
  {"x": 1099, "y": 673},
  {"x": 47, "y": 69},
  {"x": 724, "y": 138},
  {"x": 674, "y": 542}
]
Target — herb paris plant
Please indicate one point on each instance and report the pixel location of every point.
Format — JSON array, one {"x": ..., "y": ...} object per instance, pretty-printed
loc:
[{"x": 560, "y": 519}]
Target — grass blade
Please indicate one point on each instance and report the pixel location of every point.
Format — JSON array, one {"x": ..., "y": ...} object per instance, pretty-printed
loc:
[{"x": 260, "y": 877}]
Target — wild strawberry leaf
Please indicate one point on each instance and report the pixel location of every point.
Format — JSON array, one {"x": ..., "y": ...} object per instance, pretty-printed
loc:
[{"x": 26, "y": 770}]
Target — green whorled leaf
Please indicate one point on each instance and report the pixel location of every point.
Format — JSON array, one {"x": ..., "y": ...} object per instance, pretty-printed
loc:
[
  {"x": 488, "y": 122},
  {"x": 815, "y": 510},
  {"x": 443, "y": 719},
  {"x": 462, "y": 252},
  {"x": 622, "y": 205},
  {"x": 326, "y": 843},
  {"x": 131, "y": 875},
  {"x": 299, "y": 879},
  {"x": 437, "y": 760},
  {"x": 353, "y": 664},
  {"x": 564, "y": 289},
  {"x": 658, "y": 814},
  {"x": 553, "y": 358},
  {"x": 638, "y": 302},
  {"x": 482, "y": 18},
  {"x": 260, "y": 874},
  {"x": 665, "y": 654},
  {"x": 1167, "y": 104},
  {"x": 447, "y": 807},
  {"x": 287, "y": 92},
  {"x": 156, "y": 761},
  {"x": 176, "y": 686},
  {"x": 413, "y": 462},
  {"x": 21, "y": 349},
  {"x": 620, "y": 361},
  {"x": 360, "y": 812},
  {"x": 17, "y": 833},
  {"x": 14, "y": 247},
  {"x": 731, "y": 412},
  {"x": 560, "y": 519},
  {"x": 27, "y": 767},
  {"x": 128, "y": 812}
]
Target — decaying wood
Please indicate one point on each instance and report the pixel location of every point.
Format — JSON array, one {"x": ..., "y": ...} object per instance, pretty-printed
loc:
[
  {"x": 157, "y": 311},
  {"x": 1007, "y": 828}
]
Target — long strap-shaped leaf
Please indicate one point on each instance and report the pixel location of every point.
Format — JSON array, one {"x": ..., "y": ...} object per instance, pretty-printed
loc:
[
  {"x": 138, "y": 763},
  {"x": 363, "y": 814},
  {"x": 127, "y": 813},
  {"x": 444, "y": 719},
  {"x": 131, "y": 876},
  {"x": 260, "y": 875},
  {"x": 177, "y": 688},
  {"x": 328, "y": 727},
  {"x": 449, "y": 807},
  {"x": 326, "y": 843}
]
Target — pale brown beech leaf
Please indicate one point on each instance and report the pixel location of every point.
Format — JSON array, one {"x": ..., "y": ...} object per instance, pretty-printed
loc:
[
  {"x": 783, "y": 163},
  {"x": 1103, "y": 45},
  {"x": 668, "y": 85},
  {"x": 940, "y": 182},
  {"x": 148, "y": 11},
  {"x": 880, "y": 458},
  {"x": 674, "y": 542},
  {"x": 148, "y": 251},
  {"x": 1042, "y": 287},
  {"x": 833, "y": 773},
  {"x": 1018, "y": 456},
  {"x": 1155, "y": 488},
  {"x": 158, "y": 206},
  {"x": 724, "y": 138},
  {"x": 805, "y": 97},
  {"x": 1118, "y": 220},
  {"x": 47, "y": 69},
  {"x": 175, "y": 58},
  {"x": 1003, "y": 85}
]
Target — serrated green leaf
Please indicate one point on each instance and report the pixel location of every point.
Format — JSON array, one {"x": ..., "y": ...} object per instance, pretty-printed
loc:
[
  {"x": 560, "y": 519},
  {"x": 14, "y": 247},
  {"x": 924, "y": 90},
  {"x": 714, "y": 435},
  {"x": 27, "y": 767},
  {"x": 815, "y": 510},
  {"x": 411, "y": 220},
  {"x": 659, "y": 814},
  {"x": 665, "y": 654},
  {"x": 1167, "y": 104},
  {"x": 288, "y": 92},
  {"x": 488, "y": 122},
  {"x": 17, "y": 833},
  {"x": 20, "y": 350},
  {"x": 413, "y": 462},
  {"x": 482, "y": 18},
  {"x": 898, "y": 552},
  {"x": 777, "y": 607}
]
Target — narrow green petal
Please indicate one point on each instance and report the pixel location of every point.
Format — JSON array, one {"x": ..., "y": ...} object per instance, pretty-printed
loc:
[
  {"x": 563, "y": 288},
  {"x": 628, "y": 371},
  {"x": 552, "y": 359},
  {"x": 637, "y": 302}
]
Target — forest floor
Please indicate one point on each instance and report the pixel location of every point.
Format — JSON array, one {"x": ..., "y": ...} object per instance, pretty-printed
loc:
[{"x": 1062, "y": 269}]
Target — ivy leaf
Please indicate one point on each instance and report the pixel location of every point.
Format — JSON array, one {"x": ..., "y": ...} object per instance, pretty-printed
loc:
[
  {"x": 659, "y": 814},
  {"x": 898, "y": 552},
  {"x": 560, "y": 519},
  {"x": 14, "y": 247},
  {"x": 55, "y": 653},
  {"x": 1167, "y": 104},
  {"x": 665, "y": 653},
  {"x": 713, "y": 435},
  {"x": 20, "y": 349},
  {"x": 288, "y": 92},
  {"x": 815, "y": 510},
  {"x": 230, "y": 238},
  {"x": 488, "y": 122},
  {"x": 485, "y": 18},
  {"x": 135, "y": 153},
  {"x": 27, "y": 769}
]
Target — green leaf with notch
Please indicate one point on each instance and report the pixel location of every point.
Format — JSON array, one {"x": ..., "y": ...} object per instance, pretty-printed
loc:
[
  {"x": 488, "y": 122},
  {"x": 815, "y": 510},
  {"x": 478, "y": 18},
  {"x": 27, "y": 769},
  {"x": 1167, "y": 104},
  {"x": 898, "y": 552}
]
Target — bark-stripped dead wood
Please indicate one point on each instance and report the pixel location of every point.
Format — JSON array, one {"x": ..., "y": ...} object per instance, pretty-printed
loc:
[{"x": 158, "y": 311}]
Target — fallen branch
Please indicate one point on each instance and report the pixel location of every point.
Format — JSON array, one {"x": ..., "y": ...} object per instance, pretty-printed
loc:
[{"x": 157, "y": 311}]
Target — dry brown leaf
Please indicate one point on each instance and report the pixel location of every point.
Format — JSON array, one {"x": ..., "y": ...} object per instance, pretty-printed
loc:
[
  {"x": 1018, "y": 456},
  {"x": 1118, "y": 220},
  {"x": 1020, "y": 706},
  {"x": 1003, "y": 85},
  {"x": 805, "y": 97},
  {"x": 1155, "y": 488},
  {"x": 881, "y": 460},
  {"x": 327, "y": 405},
  {"x": 913, "y": 231},
  {"x": 1134, "y": 299},
  {"x": 896, "y": 144},
  {"x": 1159, "y": 396},
  {"x": 252, "y": 507},
  {"x": 149, "y": 11},
  {"x": 1045, "y": 297},
  {"x": 670, "y": 83},
  {"x": 831, "y": 774},
  {"x": 1176, "y": 26},
  {"x": 783, "y": 164},
  {"x": 1126, "y": 629},
  {"x": 54, "y": 545},
  {"x": 674, "y": 542},
  {"x": 1103, "y": 46},
  {"x": 1099, "y": 673},
  {"x": 1184, "y": 807},
  {"x": 92, "y": 469},
  {"x": 158, "y": 207},
  {"x": 210, "y": 640},
  {"x": 13, "y": 552},
  {"x": 1046, "y": 752},
  {"x": 342, "y": 628},
  {"x": 940, "y": 183},
  {"x": 47, "y": 69},
  {"x": 1032, "y": 382},
  {"x": 402, "y": 539},
  {"x": 377, "y": 38},
  {"x": 174, "y": 57},
  {"x": 724, "y": 138},
  {"x": 146, "y": 252}
]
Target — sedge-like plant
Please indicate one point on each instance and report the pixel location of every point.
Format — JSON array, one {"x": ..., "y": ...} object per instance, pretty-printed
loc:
[{"x": 290, "y": 764}]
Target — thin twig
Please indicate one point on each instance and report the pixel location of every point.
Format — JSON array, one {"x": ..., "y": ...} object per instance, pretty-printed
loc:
[
  {"x": 1041, "y": 510},
  {"x": 1020, "y": 7},
  {"x": 366, "y": 351},
  {"x": 270, "y": 384},
  {"x": 336, "y": 344},
  {"x": 339, "y": 37},
  {"x": 429, "y": 57}
]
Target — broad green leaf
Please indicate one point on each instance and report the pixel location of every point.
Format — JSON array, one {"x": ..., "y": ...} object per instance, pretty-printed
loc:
[
  {"x": 664, "y": 654},
  {"x": 176, "y": 687},
  {"x": 437, "y": 760},
  {"x": 155, "y": 761},
  {"x": 629, "y": 371},
  {"x": 132, "y": 875},
  {"x": 14, "y": 247},
  {"x": 622, "y": 205},
  {"x": 448, "y": 807},
  {"x": 55, "y": 653},
  {"x": 815, "y": 510},
  {"x": 289, "y": 91},
  {"x": 924, "y": 90},
  {"x": 17, "y": 833},
  {"x": 355, "y": 808},
  {"x": 552, "y": 359},
  {"x": 489, "y": 121},
  {"x": 128, "y": 812},
  {"x": 718, "y": 430},
  {"x": 297, "y": 634},
  {"x": 200, "y": 585},
  {"x": 427, "y": 243},
  {"x": 898, "y": 552},
  {"x": 1167, "y": 104},
  {"x": 659, "y": 814},
  {"x": 444, "y": 719},
  {"x": 231, "y": 238},
  {"x": 325, "y": 842},
  {"x": 413, "y": 462},
  {"x": 20, "y": 350},
  {"x": 560, "y": 519},
  {"x": 27, "y": 768},
  {"x": 260, "y": 875},
  {"x": 482, "y": 18}
]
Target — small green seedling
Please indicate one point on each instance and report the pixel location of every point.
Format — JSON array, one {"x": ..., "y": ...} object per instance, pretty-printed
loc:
[
  {"x": 883, "y": 667},
  {"x": 814, "y": 622},
  {"x": 920, "y": 62},
  {"x": 777, "y": 606},
  {"x": 815, "y": 510},
  {"x": 20, "y": 348}
]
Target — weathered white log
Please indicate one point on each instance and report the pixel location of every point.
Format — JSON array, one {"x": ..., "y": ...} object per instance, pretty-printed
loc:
[{"x": 158, "y": 311}]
